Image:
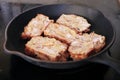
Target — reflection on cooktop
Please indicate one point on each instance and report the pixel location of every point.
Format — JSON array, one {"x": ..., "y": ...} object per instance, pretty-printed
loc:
[{"x": 21, "y": 69}]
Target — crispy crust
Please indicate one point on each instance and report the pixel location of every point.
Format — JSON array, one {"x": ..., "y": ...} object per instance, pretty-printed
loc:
[
  {"x": 86, "y": 44},
  {"x": 98, "y": 41},
  {"x": 46, "y": 49},
  {"x": 60, "y": 32},
  {"x": 77, "y": 23},
  {"x": 80, "y": 49},
  {"x": 36, "y": 26}
]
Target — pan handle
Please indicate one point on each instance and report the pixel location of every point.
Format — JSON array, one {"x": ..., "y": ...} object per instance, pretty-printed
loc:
[{"x": 106, "y": 59}]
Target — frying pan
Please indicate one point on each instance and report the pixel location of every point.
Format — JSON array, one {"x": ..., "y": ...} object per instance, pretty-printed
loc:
[{"x": 15, "y": 45}]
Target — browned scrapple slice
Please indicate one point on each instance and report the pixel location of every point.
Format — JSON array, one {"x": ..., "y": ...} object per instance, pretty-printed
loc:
[
  {"x": 86, "y": 44},
  {"x": 45, "y": 48},
  {"x": 77, "y": 23},
  {"x": 81, "y": 47},
  {"x": 60, "y": 32},
  {"x": 36, "y": 26},
  {"x": 98, "y": 41}
]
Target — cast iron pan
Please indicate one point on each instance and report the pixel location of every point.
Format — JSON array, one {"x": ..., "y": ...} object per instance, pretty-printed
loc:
[{"x": 15, "y": 45}]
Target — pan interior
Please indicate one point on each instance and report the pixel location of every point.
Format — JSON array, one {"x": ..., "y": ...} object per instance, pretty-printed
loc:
[{"x": 99, "y": 23}]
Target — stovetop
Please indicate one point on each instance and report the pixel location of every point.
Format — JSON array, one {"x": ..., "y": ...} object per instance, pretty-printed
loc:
[{"x": 15, "y": 68}]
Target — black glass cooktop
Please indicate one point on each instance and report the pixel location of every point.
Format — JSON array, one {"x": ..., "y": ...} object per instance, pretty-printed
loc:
[{"x": 15, "y": 68}]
